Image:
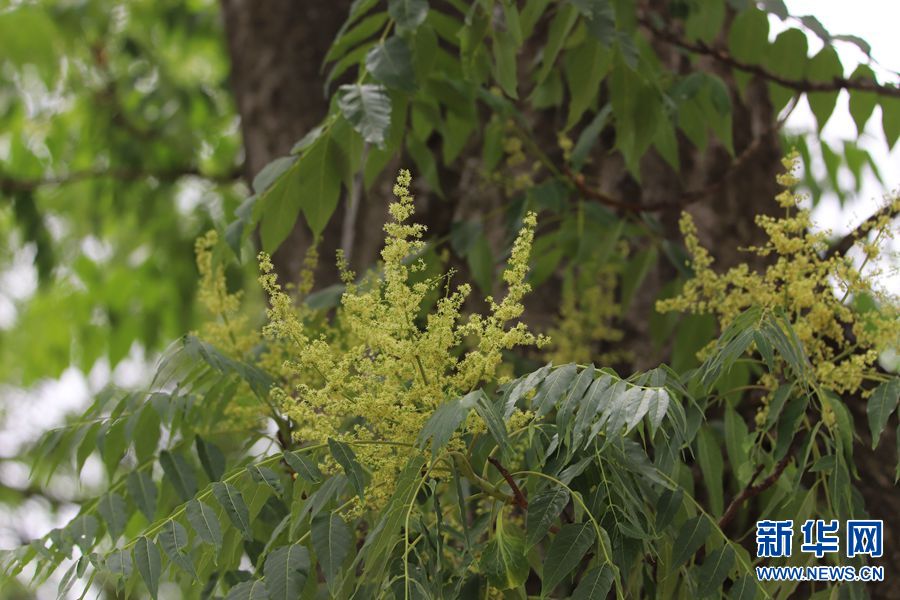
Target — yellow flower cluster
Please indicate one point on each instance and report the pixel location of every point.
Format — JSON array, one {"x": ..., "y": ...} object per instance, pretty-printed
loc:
[
  {"x": 225, "y": 328},
  {"x": 842, "y": 343},
  {"x": 588, "y": 311},
  {"x": 382, "y": 367}
]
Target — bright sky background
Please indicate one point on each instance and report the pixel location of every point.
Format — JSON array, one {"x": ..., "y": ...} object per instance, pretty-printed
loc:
[{"x": 876, "y": 22}]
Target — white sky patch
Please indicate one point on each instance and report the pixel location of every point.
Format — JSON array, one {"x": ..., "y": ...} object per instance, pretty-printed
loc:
[{"x": 876, "y": 22}]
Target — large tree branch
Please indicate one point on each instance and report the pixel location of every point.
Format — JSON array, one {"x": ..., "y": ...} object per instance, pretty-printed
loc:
[{"x": 801, "y": 85}]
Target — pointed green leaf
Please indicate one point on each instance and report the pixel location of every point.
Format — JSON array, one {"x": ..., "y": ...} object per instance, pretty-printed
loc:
[
  {"x": 823, "y": 67},
  {"x": 143, "y": 491},
  {"x": 149, "y": 563},
  {"x": 862, "y": 103},
  {"x": 691, "y": 536},
  {"x": 543, "y": 510},
  {"x": 235, "y": 507},
  {"x": 714, "y": 571},
  {"x": 882, "y": 404},
  {"x": 204, "y": 521},
  {"x": 553, "y": 388},
  {"x": 390, "y": 63},
  {"x": 303, "y": 466},
  {"x": 248, "y": 590},
  {"x": 286, "y": 570},
  {"x": 173, "y": 539},
  {"x": 595, "y": 584},
  {"x": 332, "y": 540},
  {"x": 114, "y": 511},
  {"x": 83, "y": 530},
  {"x": 211, "y": 458},
  {"x": 367, "y": 108},
  {"x": 267, "y": 476},
  {"x": 890, "y": 119},
  {"x": 119, "y": 562},
  {"x": 709, "y": 455},
  {"x": 408, "y": 14},
  {"x": 179, "y": 472},
  {"x": 565, "y": 552},
  {"x": 345, "y": 457},
  {"x": 743, "y": 589},
  {"x": 504, "y": 561},
  {"x": 444, "y": 421},
  {"x": 504, "y": 49}
]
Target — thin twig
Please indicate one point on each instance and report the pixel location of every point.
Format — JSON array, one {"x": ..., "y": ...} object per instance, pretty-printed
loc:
[
  {"x": 801, "y": 85},
  {"x": 843, "y": 245},
  {"x": 752, "y": 491},
  {"x": 521, "y": 500}
]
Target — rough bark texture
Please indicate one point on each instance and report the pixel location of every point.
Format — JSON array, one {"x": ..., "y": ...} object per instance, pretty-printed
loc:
[{"x": 276, "y": 50}]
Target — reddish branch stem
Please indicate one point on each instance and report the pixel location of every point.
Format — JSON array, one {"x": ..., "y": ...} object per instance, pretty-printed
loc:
[
  {"x": 519, "y": 497},
  {"x": 752, "y": 490}
]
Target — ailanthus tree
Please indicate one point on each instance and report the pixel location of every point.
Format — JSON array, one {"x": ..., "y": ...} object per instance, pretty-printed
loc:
[{"x": 597, "y": 339}]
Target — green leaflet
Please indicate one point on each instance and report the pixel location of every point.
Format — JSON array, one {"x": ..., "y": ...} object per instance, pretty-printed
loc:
[
  {"x": 204, "y": 521},
  {"x": 286, "y": 570},
  {"x": 173, "y": 539},
  {"x": 691, "y": 536},
  {"x": 714, "y": 570},
  {"x": 390, "y": 63},
  {"x": 233, "y": 502},
  {"x": 367, "y": 108},
  {"x": 179, "y": 472},
  {"x": 332, "y": 541},
  {"x": 565, "y": 553},
  {"x": 503, "y": 559},
  {"x": 881, "y": 406},
  {"x": 304, "y": 466},
  {"x": 543, "y": 510},
  {"x": 149, "y": 564},
  {"x": 114, "y": 511},
  {"x": 345, "y": 457},
  {"x": 408, "y": 14},
  {"x": 595, "y": 584},
  {"x": 248, "y": 590}
]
